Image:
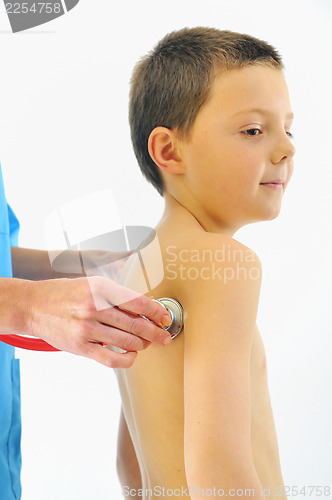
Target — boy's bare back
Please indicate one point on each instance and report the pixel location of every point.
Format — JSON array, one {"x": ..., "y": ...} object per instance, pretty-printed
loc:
[{"x": 210, "y": 383}]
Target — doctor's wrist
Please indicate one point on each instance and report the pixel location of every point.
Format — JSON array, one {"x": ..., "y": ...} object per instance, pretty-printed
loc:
[{"x": 15, "y": 311}]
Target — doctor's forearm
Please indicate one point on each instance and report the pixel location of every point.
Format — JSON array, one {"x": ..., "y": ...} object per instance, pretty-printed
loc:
[{"x": 35, "y": 265}]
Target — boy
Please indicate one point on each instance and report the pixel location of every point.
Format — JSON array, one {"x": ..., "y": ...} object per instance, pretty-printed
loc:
[{"x": 210, "y": 120}]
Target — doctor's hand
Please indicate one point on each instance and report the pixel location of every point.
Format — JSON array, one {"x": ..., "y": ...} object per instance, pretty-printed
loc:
[{"x": 83, "y": 314}]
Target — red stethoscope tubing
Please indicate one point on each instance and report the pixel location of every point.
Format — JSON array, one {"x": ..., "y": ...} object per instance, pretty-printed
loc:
[{"x": 28, "y": 343}]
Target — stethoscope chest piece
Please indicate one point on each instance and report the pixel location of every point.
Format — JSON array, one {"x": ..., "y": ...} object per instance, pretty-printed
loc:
[{"x": 175, "y": 311}]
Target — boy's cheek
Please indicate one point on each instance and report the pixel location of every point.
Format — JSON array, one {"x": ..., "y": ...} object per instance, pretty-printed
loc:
[
  {"x": 289, "y": 174},
  {"x": 290, "y": 170}
]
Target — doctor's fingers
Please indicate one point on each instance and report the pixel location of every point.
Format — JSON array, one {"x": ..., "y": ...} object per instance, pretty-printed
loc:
[
  {"x": 108, "y": 335},
  {"x": 108, "y": 357},
  {"x": 133, "y": 324}
]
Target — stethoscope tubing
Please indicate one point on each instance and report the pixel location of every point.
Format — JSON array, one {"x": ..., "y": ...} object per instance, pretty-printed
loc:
[{"x": 28, "y": 343}]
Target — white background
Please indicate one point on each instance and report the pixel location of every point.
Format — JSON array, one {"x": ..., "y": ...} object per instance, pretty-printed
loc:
[{"x": 64, "y": 134}]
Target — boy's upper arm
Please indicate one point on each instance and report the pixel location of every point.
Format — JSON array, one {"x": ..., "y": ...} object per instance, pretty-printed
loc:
[{"x": 221, "y": 308}]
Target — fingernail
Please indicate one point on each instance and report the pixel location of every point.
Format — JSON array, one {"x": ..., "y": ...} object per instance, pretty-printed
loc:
[
  {"x": 167, "y": 340},
  {"x": 166, "y": 320}
]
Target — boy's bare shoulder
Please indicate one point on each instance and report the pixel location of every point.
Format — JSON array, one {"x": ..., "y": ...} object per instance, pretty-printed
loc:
[
  {"x": 195, "y": 263},
  {"x": 228, "y": 244},
  {"x": 206, "y": 250},
  {"x": 212, "y": 273}
]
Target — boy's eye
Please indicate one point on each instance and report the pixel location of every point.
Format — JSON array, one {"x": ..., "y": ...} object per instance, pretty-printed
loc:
[
  {"x": 256, "y": 131},
  {"x": 252, "y": 131}
]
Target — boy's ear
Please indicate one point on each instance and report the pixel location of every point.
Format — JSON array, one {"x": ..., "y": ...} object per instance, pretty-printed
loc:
[{"x": 164, "y": 150}]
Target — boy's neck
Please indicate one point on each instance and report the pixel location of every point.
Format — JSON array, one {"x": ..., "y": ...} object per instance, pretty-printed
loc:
[{"x": 192, "y": 213}]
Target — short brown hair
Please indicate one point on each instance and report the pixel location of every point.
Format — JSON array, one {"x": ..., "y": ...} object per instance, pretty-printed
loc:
[{"x": 172, "y": 82}]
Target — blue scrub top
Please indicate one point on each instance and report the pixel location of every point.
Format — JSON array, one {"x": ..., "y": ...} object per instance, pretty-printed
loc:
[{"x": 10, "y": 407}]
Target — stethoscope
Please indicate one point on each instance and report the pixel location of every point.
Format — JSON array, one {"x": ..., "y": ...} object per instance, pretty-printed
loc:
[{"x": 172, "y": 306}]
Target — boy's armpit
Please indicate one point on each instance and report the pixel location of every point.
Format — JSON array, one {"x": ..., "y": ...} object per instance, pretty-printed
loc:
[{"x": 220, "y": 317}]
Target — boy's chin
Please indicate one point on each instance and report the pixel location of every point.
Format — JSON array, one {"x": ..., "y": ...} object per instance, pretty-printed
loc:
[
  {"x": 272, "y": 214},
  {"x": 266, "y": 214}
]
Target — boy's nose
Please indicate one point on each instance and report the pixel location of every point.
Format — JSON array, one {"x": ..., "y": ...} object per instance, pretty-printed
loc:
[{"x": 284, "y": 150}]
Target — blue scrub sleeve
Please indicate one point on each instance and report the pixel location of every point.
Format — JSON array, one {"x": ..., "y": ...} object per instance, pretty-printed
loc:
[{"x": 10, "y": 407}]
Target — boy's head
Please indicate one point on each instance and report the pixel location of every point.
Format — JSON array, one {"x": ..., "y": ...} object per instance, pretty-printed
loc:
[
  {"x": 210, "y": 110},
  {"x": 171, "y": 83}
]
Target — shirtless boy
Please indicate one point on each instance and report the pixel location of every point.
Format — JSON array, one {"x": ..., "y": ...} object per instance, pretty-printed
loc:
[{"x": 210, "y": 119}]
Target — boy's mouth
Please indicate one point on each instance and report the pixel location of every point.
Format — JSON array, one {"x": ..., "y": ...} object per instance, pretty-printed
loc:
[{"x": 274, "y": 185}]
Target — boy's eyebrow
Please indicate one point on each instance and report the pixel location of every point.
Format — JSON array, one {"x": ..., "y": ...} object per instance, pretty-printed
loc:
[{"x": 261, "y": 111}]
